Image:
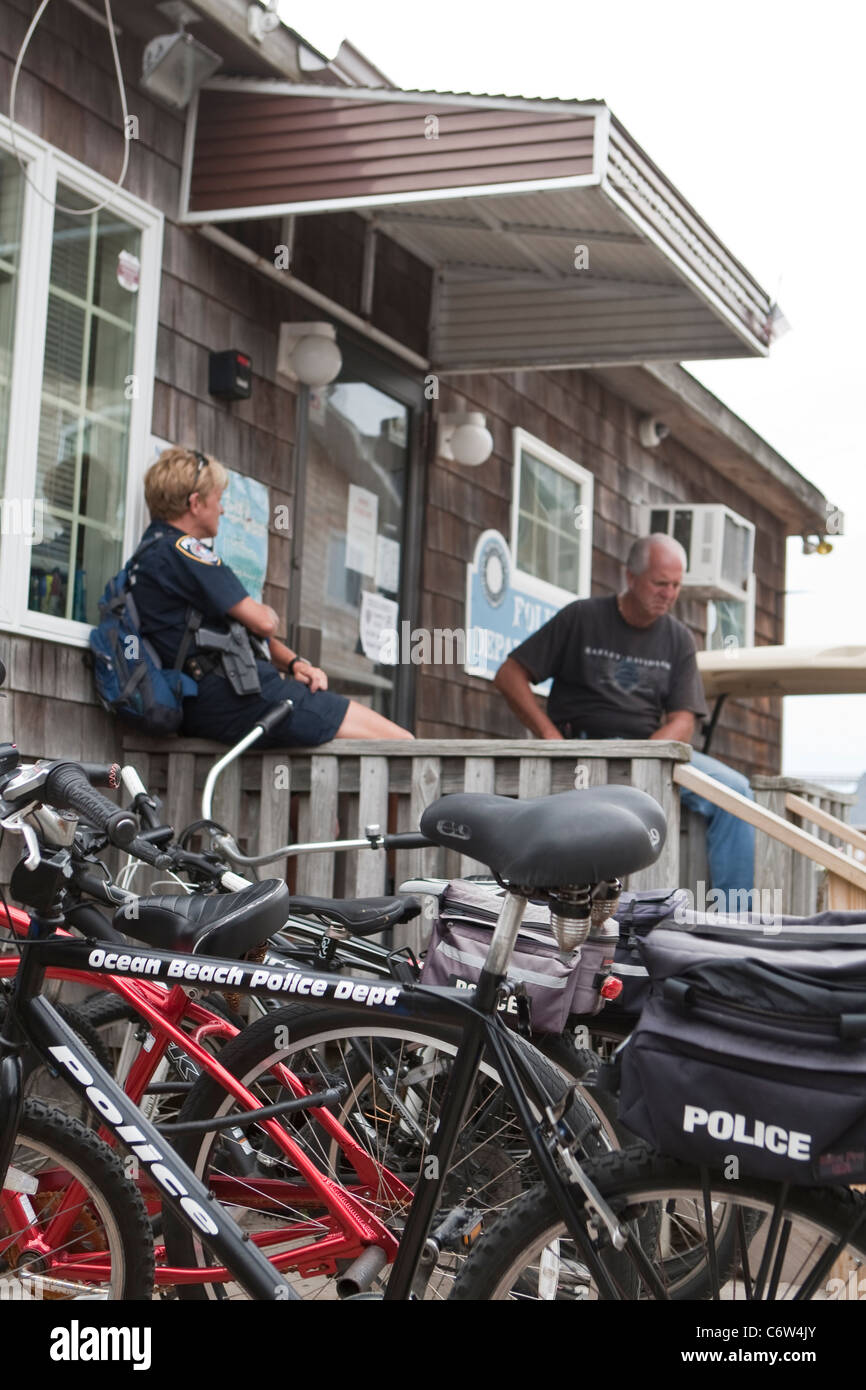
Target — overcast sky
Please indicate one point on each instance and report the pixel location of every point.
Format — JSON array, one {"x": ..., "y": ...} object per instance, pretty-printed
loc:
[{"x": 755, "y": 112}]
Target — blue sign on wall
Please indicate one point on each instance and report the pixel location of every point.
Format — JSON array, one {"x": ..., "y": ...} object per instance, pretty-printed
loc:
[{"x": 501, "y": 612}]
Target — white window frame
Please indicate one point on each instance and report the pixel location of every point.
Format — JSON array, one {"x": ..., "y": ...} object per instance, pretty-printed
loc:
[
  {"x": 46, "y": 167},
  {"x": 540, "y": 588},
  {"x": 749, "y": 600}
]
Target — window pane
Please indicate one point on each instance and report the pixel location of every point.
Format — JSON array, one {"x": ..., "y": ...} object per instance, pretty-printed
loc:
[
  {"x": 70, "y": 254},
  {"x": 64, "y": 348},
  {"x": 84, "y": 421},
  {"x": 110, "y": 364},
  {"x": 548, "y": 541},
  {"x": 49, "y": 567},
  {"x": 59, "y": 450},
  {"x": 96, "y": 557},
  {"x": 726, "y": 623},
  {"x": 117, "y": 252},
  {"x": 103, "y": 468}
]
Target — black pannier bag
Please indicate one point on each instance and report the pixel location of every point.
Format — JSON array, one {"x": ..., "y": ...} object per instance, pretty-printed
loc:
[
  {"x": 557, "y": 985},
  {"x": 753, "y": 1047},
  {"x": 637, "y": 914}
]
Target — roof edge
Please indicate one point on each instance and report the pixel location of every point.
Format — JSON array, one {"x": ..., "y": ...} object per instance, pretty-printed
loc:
[{"x": 716, "y": 434}]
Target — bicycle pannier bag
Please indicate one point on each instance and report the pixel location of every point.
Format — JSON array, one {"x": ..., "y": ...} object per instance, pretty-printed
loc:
[
  {"x": 637, "y": 915},
  {"x": 752, "y": 1048},
  {"x": 557, "y": 985}
]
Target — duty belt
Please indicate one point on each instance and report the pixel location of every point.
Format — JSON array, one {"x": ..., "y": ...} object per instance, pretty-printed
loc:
[{"x": 202, "y": 664}]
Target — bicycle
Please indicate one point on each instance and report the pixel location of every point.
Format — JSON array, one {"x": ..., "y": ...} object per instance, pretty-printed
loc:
[{"x": 66, "y": 786}]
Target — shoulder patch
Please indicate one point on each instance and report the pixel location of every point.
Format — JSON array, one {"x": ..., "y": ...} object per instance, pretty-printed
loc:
[{"x": 197, "y": 550}]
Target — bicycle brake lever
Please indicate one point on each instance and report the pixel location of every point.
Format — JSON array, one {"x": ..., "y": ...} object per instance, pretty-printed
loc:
[{"x": 18, "y": 825}]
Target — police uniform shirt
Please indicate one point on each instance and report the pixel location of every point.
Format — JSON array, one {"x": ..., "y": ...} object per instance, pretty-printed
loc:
[
  {"x": 612, "y": 680},
  {"x": 178, "y": 572}
]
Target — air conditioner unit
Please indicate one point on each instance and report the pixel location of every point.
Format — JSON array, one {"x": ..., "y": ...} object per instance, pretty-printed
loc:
[{"x": 719, "y": 543}]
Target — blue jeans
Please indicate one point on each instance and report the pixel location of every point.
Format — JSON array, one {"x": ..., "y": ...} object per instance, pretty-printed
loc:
[{"x": 730, "y": 841}]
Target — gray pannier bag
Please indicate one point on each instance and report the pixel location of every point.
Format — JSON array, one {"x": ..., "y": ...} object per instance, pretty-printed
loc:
[
  {"x": 753, "y": 1047},
  {"x": 557, "y": 985}
]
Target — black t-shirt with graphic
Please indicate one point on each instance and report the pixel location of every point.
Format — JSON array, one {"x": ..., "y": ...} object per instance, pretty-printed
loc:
[
  {"x": 178, "y": 572},
  {"x": 612, "y": 680}
]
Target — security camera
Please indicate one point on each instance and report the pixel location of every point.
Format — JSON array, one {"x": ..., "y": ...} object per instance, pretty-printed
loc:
[{"x": 652, "y": 431}]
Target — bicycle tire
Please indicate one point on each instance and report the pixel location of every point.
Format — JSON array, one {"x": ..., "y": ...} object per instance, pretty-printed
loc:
[
  {"x": 528, "y": 1254},
  {"x": 45, "y": 1083},
  {"x": 55, "y": 1154},
  {"x": 581, "y": 1064},
  {"x": 386, "y": 1098}
]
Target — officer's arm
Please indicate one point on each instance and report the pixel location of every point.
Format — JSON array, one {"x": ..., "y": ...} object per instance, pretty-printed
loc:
[{"x": 261, "y": 620}]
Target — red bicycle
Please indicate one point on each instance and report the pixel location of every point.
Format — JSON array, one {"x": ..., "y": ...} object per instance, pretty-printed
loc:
[{"x": 313, "y": 1126}]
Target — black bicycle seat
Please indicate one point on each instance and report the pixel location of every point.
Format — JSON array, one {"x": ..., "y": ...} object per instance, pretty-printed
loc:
[
  {"x": 211, "y": 925},
  {"x": 363, "y": 916},
  {"x": 573, "y": 837}
]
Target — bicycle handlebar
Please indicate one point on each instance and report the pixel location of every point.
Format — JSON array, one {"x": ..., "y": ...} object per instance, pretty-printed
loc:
[
  {"x": 102, "y": 774},
  {"x": 406, "y": 839},
  {"x": 66, "y": 785},
  {"x": 275, "y": 716}
]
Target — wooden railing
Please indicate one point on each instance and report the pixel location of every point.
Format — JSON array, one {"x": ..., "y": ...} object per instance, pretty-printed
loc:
[
  {"x": 783, "y": 848},
  {"x": 804, "y": 881},
  {"x": 268, "y": 798}
]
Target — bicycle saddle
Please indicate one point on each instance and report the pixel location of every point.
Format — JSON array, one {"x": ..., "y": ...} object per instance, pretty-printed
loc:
[
  {"x": 363, "y": 916},
  {"x": 211, "y": 925},
  {"x": 573, "y": 837}
]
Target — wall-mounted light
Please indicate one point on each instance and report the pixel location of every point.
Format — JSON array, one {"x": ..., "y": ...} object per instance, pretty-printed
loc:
[
  {"x": 174, "y": 66},
  {"x": 261, "y": 22},
  {"x": 464, "y": 438},
  {"x": 651, "y": 431},
  {"x": 308, "y": 352},
  {"x": 815, "y": 544}
]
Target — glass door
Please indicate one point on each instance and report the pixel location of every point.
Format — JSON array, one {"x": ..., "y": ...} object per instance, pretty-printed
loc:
[{"x": 354, "y": 530}]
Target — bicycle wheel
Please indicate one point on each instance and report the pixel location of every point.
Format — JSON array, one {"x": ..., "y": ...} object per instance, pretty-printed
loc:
[
  {"x": 392, "y": 1077},
  {"x": 47, "y": 1084},
  {"x": 784, "y": 1244},
  {"x": 67, "y": 1208}
]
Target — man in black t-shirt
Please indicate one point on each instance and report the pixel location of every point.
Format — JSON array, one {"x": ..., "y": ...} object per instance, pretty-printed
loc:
[{"x": 623, "y": 667}]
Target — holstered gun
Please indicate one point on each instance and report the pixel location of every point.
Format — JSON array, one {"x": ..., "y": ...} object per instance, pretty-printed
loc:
[{"x": 235, "y": 655}]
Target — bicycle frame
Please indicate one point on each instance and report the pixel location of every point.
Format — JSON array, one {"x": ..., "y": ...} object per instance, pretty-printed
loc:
[
  {"x": 31, "y": 1019},
  {"x": 164, "y": 1008},
  {"x": 472, "y": 1012}
]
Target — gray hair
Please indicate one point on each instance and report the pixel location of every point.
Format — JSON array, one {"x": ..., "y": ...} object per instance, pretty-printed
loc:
[{"x": 638, "y": 558}]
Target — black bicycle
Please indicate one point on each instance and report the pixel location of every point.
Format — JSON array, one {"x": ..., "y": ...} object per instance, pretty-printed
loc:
[{"x": 533, "y": 846}]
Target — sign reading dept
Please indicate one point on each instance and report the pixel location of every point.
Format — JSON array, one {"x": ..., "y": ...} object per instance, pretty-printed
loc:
[{"x": 501, "y": 610}]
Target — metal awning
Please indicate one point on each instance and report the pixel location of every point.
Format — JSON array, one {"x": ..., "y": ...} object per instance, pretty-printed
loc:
[{"x": 556, "y": 241}]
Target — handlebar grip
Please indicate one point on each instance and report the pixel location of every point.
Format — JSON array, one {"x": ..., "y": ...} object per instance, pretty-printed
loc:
[
  {"x": 142, "y": 849},
  {"x": 275, "y": 716},
  {"x": 102, "y": 774},
  {"x": 67, "y": 786},
  {"x": 406, "y": 839}
]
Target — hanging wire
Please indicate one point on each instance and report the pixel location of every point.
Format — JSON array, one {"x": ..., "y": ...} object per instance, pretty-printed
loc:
[{"x": 97, "y": 207}]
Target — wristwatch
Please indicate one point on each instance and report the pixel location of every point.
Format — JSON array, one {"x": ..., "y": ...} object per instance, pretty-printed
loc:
[{"x": 293, "y": 663}]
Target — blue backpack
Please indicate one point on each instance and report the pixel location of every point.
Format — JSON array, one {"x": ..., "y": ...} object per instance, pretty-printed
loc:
[{"x": 130, "y": 680}]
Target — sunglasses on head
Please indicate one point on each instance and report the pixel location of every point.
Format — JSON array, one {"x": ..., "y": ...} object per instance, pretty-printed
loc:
[{"x": 201, "y": 464}]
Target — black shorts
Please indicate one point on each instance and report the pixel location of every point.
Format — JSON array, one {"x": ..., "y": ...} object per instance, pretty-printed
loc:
[{"x": 218, "y": 713}]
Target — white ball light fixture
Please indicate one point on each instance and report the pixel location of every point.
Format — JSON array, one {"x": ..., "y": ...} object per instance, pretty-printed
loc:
[
  {"x": 464, "y": 438},
  {"x": 308, "y": 352}
]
